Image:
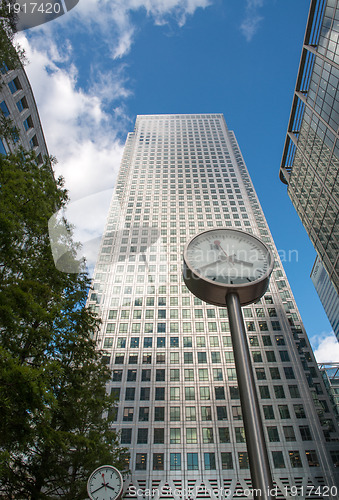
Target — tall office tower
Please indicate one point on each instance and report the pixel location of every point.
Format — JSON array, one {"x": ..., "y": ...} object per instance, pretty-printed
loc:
[
  {"x": 330, "y": 373},
  {"x": 17, "y": 104},
  {"x": 328, "y": 295},
  {"x": 171, "y": 354},
  {"x": 310, "y": 161}
]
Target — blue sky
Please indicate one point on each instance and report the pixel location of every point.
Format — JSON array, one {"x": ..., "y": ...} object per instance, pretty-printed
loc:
[{"x": 94, "y": 69}]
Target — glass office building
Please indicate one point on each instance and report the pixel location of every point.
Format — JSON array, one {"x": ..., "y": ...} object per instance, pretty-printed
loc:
[
  {"x": 310, "y": 162},
  {"x": 328, "y": 295},
  {"x": 171, "y": 354},
  {"x": 18, "y": 107}
]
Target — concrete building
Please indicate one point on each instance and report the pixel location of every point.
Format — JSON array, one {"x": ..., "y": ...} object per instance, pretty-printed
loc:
[
  {"x": 310, "y": 162},
  {"x": 17, "y": 104},
  {"x": 171, "y": 354},
  {"x": 327, "y": 293},
  {"x": 330, "y": 373}
]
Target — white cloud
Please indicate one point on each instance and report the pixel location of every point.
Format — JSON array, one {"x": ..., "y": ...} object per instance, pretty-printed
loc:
[
  {"x": 250, "y": 24},
  {"x": 326, "y": 348}
]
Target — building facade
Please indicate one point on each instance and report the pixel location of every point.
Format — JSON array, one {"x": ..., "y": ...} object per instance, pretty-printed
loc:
[
  {"x": 310, "y": 162},
  {"x": 327, "y": 294},
  {"x": 17, "y": 105},
  {"x": 330, "y": 373},
  {"x": 171, "y": 354}
]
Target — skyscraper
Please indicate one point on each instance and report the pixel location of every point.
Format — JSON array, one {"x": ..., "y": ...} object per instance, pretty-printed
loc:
[
  {"x": 310, "y": 162},
  {"x": 171, "y": 354},
  {"x": 17, "y": 104},
  {"x": 328, "y": 295}
]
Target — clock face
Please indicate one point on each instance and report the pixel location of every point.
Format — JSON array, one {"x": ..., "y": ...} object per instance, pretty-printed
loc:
[
  {"x": 228, "y": 257},
  {"x": 105, "y": 483}
]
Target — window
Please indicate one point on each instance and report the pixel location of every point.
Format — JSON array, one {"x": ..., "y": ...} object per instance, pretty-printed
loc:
[
  {"x": 236, "y": 413},
  {"x": 219, "y": 393},
  {"x": 209, "y": 461},
  {"x": 243, "y": 460},
  {"x": 266, "y": 340},
  {"x": 131, "y": 375},
  {"x": 202, "y": 357},
  {"x": 299, "y": 411},
  {"x": 229, "y": 357},
  {"x": 206, "y": 413},
  {"x": 312, "y": 458},
  {"x": 289, "y": 373},
  {"x": 256, "y": 355},
  {"x": 142, "y": 436},
  {"x": 28, "y": 123},
  {"x": 191, "y": 436},
  {"x": 188, "y": 357},
  {"x": 174, "y": 413},
  {"x": 174, "y": 341},
  {"x": 174, "y": 374},
  {"x": 284, "y": 356},
  {"x": 260, "y": 373},
  {"x": 159, "y": 413},
  {"x": 294, "y": 391},
  {"x": 160, "y": 357},
  {"x": 189, "y": 393},
  {"x": 224, "y": 435},
  {"x": 128, "y": 415},
  {"x": 204, "y": 393},
  {"x": 160, "y": 393},
  {"x": 273, "y": 434},
  {"x": 289, "y": 433},
  {"x": 268, "y": 412},
  {"x": 130, "y": 394},
  {"x": 14, "y": 85},
  {"x": 264, "y": 392},
  {"x": 278, "y": 459},
  {"x": 187, "y": 341},
  {"x": 117, "y": 375},
  {"x": 217, "y": 374},
  {"x": 160, "y": 375},
  {"x": 190, "y": 413},
  {"x": 275, "y": 374},
  {"x": 270, "y": 356},
  {"x": 126, "y": 436},
  {"x": 145, "y": 394},
  {"x": 284, "y": 411},
  {"x": 161, "y": 342},
  {"x": 192, "y": 461},
  {"x": 159, "y": 436},
  {"x": 279, "y": 392},
  {"x": 240, "y": 434},
  {"x": 175, "y": 461},
  {"x": 221, "y": 413},
  {"x": 4, "y": 108},
  {"x": 226, "y": 460},
  {"x": 143, "y": 414},
  {"x": 148, "y": 342},
  {"x": 295, "y": 459},
  {"x": 141, "y": 461},
  {"x": 305, "y": 433},
  {"x": 158, "y": 461}
]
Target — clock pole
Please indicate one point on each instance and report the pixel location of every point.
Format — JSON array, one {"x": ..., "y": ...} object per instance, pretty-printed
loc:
[{"x": 254, "y": 432}]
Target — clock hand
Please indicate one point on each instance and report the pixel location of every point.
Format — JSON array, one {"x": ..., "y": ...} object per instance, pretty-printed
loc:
[
  {"x": 220, "y": 259},
  {"x": 110, "y": 487},
  {"x": 98, "y": 488},
  {"x": 103, "y": 478},
  {"x": 239, "y": 261}
]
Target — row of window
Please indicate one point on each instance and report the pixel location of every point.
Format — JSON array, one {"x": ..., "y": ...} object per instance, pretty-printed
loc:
[
  {"x": 269, "y": 412},
  {"x": 186, "y": 326},
  {"x": 209, "y": 461},
  {"x": 207, "y": 435},
  {"x": 188, "y": 393}
]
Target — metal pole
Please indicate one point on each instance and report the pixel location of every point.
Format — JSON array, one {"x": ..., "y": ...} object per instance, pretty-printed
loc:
[{"x": 256, "y": 447}]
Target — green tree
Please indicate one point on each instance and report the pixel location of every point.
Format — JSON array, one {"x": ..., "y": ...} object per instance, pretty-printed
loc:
[{"x": 55, "y": 415}]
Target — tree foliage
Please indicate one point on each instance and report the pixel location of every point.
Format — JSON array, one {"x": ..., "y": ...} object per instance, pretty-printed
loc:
[{"x": 52, "y": 379}]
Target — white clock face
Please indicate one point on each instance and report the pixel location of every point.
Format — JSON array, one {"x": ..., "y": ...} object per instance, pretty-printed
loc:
[
  {"x": 105, "y": 483},
  {"x": 228, "y": 257}
]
